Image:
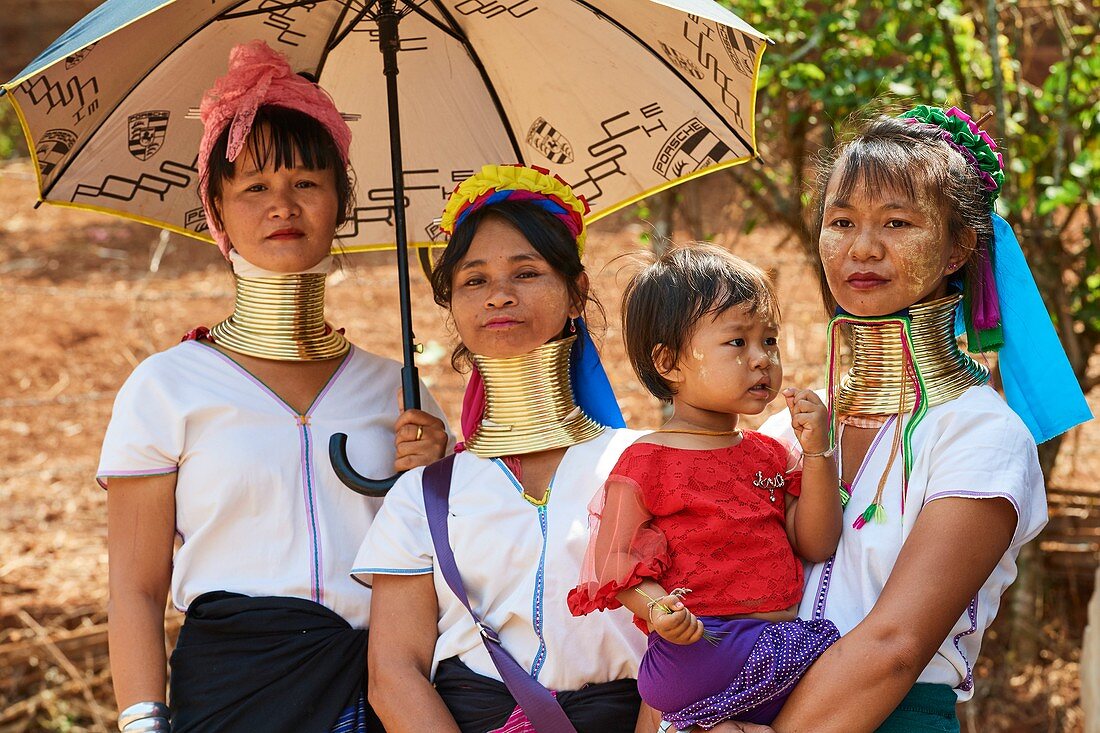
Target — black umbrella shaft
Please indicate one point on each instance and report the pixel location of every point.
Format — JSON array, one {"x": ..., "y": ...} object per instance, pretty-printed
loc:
[{"x": 390, "y": 43}]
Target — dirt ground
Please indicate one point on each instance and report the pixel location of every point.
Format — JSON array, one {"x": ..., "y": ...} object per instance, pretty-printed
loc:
[{"x": 85, "y": 300}]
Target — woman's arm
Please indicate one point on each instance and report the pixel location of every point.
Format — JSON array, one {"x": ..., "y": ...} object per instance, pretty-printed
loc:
[
  {"x": 954, "y": 546},
  {"x": 141, "y": 528},
  {"x": 403, "y": 633},
  {"x": 649, "y": 720}
]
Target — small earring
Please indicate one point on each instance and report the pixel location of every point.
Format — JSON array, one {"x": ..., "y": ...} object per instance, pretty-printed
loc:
[{"x": 572, "y": 325}]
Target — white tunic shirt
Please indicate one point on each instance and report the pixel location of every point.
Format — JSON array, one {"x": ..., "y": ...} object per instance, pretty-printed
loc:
[
  {"x": 518, "y": 562},
  {"x": 259, "y": 510},
  {"x": 973, "y": 447}
]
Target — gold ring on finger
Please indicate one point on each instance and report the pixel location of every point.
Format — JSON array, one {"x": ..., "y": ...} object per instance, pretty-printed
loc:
[{"x": 419, "y": 431}]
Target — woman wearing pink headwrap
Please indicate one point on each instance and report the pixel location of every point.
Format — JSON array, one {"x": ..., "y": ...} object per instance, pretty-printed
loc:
[{"x": 215, "y": 441}]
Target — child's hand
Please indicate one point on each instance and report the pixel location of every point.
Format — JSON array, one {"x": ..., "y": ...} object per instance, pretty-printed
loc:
[
  {"x": 680, "y": 626},
  {"x": 809, "y": 418}
]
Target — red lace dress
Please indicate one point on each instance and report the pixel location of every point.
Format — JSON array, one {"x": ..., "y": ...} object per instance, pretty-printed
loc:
[{"x": 713, "y": 521}]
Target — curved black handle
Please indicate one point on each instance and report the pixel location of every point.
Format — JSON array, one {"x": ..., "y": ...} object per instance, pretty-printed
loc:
[
  {"x": 388, "y": 18},
  {"x": 338, "y": 445},
  {"x": 360, "y": 484}
]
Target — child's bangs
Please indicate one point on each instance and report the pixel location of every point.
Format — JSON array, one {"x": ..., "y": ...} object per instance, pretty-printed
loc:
[{"x": 735, "y": 287}]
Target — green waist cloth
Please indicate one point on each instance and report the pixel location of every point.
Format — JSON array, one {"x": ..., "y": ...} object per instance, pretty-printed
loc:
[{"x": 926, "y": 709}]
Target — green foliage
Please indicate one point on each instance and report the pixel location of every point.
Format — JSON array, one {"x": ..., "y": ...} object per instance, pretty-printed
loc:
[
  {"x": 11, "y": 136},
  {"x": 831, "y": 62}
]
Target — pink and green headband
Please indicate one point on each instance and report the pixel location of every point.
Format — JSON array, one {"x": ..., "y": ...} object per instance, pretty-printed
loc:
[{"x": 972, "y": 142}]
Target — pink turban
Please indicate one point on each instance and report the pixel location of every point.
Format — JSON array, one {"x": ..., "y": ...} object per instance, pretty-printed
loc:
[{"x": 258, "y": 76}]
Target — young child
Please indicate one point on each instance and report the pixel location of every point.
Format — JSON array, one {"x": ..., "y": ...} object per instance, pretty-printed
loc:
[{"x": 703, "y": 516}]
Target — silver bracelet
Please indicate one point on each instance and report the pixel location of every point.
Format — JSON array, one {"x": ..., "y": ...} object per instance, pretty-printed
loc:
[
  {"x": 141, "y": 711},
  {"x": 823, "y": 454},
  {"x": 149, "y": 725}
]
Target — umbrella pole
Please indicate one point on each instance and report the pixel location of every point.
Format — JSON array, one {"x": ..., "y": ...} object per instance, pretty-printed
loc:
[{"x": 389, "y": 43}]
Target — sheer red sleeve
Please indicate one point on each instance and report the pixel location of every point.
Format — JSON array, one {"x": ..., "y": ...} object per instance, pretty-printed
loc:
[{"x": 623, "y": 547}]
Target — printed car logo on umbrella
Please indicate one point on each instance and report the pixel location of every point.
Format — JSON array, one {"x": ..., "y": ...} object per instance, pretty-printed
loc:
[
  {"x": 52, "y": 149},
  {"x": 147, "y": 133}
]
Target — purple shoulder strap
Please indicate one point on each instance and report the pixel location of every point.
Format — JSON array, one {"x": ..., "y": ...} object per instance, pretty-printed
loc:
[{"x": 537, "y": 703}]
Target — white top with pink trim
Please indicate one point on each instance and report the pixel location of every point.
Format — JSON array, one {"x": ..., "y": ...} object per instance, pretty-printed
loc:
[
  {"x": 259, "y": 509},
  {"x": 973, "y": 447}
]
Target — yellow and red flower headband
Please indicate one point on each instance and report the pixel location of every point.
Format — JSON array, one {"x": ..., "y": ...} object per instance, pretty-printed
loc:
[{"x": 496, "y": 183}]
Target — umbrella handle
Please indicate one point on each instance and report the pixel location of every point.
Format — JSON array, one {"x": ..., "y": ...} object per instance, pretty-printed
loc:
[
  {"x": 360, "y": 484},
  {"x": 338, "y": 445},
  {"x": 389, "y": 44}
]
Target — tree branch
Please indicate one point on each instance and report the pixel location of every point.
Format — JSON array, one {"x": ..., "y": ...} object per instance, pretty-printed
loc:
[
  {"x": 1069, "y": 48},
  {"x": 953, "y": 57},
  {"x": 992, "y": 19}
]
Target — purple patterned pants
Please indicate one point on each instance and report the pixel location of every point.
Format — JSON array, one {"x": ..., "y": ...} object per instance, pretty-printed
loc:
[{"x": 746, "y": 676}]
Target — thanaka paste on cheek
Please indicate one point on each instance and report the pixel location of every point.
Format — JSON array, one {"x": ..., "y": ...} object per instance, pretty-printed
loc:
[
  {"x": 830, "y": 248},
  {"x": 922, "y": 251}
]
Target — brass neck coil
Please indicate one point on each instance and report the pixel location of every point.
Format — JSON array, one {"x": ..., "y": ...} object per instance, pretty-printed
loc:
[
  {"x": 281, "y": 318},
  {"x": 529, "y": 404},
  {"x": 877, "y": 376}
]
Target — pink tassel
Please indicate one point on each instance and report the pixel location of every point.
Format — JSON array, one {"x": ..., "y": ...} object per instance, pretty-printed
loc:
[{"x": 986, "y": 308}]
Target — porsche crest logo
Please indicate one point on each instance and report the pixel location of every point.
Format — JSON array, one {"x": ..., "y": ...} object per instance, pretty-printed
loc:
[
  {"x": 544, "y": 138},
  {"x": 52, "y": 149},
  {"x": 691, "y": 148},
  {"x": 147, "y": 131}
]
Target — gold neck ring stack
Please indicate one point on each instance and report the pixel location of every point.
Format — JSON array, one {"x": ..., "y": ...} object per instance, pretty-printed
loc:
[
  {"x": 529, "y": 404},
  {"x": 281, "y": 318},
  {"x": 877, "y": 383}
]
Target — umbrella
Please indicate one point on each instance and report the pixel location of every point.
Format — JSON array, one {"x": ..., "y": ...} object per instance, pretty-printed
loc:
[{"x": 622, "y": 98}]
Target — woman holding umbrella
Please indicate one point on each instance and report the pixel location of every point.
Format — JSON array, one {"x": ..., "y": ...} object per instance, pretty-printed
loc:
[
  {"x": 942, "y": 472},
  {"x": 471, "y": 559},
  {"x": 214, "y": 441}
]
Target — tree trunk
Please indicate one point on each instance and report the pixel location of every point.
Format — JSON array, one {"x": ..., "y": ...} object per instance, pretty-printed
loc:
[
  {"x": 1024, "y": 607},
  {"x": 1090, "y": 663},
  {"x": 1026, "y": 592},
  {"x": 663, "y": 206}
]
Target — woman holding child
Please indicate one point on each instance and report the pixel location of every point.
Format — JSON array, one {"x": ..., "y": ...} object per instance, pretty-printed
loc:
[
  {"x": 941, "y": 475},
  {"x": 943, "y": 472}
]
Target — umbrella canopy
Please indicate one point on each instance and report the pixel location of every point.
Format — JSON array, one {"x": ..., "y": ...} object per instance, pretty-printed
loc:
[{"x": 622, "y": 98}]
